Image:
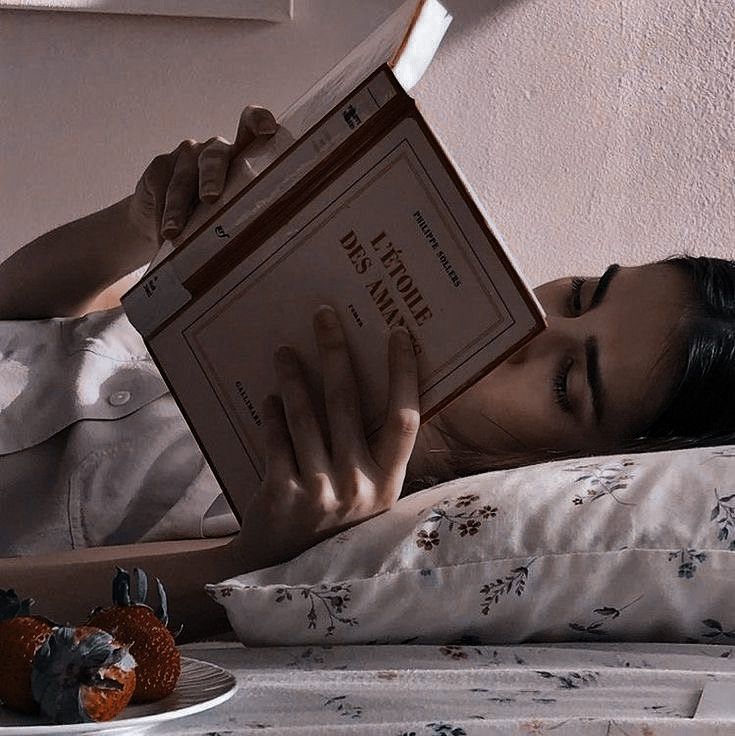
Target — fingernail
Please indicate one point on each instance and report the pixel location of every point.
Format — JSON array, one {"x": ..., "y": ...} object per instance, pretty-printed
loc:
[
  {"x": 402, "y": 337},
  {"x": 209, "y": 191},
  {"x": 326, "y": 316},
  {"x": 170, "y": 225},
  {"x": 267, "y": 125}
]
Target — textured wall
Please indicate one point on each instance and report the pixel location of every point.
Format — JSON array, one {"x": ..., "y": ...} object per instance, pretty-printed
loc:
[{"x": 592, "y": 131}]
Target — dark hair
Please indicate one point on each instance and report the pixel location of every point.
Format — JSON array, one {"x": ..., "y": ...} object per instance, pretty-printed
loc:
[
  {"x": 702, "y": 402},
  {"x": 699, "y": 410}
]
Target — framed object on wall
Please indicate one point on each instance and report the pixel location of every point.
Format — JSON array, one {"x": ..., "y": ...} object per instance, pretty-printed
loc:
[{"x": 273, "y": 10}]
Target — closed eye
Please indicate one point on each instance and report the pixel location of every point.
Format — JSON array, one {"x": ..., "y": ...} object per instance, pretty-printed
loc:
[{"x": 560, "y": 387}]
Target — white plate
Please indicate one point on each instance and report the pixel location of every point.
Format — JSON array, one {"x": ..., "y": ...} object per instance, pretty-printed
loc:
[{"x": 201, "y": 686}]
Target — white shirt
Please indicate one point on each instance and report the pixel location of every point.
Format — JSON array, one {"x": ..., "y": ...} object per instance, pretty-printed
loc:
[{"x": 93, "y": 449}]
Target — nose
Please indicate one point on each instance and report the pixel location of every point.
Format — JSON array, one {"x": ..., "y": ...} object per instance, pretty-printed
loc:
[{"x": 558, "y": 335}]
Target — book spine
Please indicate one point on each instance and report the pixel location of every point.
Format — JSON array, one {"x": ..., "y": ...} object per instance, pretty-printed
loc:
[
  {"x": 161, "y": 293},
  {"x": 286, "y": 209}
]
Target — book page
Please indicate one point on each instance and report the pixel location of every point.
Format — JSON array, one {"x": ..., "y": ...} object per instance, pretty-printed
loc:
[
  {"x": 378, "y": 48},
  {"x": 391, "y": 241}
]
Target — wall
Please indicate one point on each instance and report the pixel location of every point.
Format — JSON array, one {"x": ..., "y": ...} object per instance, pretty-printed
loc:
[
  {"x": 87, "y": 100},
  {"x": 592, "y": 131}
]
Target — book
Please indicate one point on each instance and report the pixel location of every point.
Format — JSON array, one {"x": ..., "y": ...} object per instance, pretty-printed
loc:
[{"x": 354, "y": 203}]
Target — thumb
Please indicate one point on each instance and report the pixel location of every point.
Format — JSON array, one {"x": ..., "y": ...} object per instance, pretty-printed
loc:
[{"x": 254, "y": 121}]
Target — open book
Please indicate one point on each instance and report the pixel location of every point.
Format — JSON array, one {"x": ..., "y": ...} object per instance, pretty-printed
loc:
[{"x": 354, "y": 204}]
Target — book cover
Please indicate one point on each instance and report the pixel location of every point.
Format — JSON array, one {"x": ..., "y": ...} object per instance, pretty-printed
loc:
[{"x": 384, "y": 229}]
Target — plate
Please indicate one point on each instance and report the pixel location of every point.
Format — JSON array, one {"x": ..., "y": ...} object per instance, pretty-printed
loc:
[{"x": 201, "y": 686}]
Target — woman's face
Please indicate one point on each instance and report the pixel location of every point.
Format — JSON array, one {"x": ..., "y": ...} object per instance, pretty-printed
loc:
[{"x": 598, "y": 374}]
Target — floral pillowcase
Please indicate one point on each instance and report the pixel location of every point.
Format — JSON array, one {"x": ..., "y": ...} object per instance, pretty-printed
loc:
[{"x": 627, "y": 547}]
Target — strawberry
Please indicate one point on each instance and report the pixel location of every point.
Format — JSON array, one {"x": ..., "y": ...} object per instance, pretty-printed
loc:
[
  {"x": 20, "y": 637},
  {"x": 137, "y": 625},
  {"x": 82, "y": 674}
]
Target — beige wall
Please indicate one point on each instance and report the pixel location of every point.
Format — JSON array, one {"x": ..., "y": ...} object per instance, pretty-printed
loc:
[
  {"x": 592, "y": 130},
  {"x": 595, "y": 130}
]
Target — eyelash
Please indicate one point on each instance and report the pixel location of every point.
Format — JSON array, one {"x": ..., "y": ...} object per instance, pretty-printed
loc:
[
  {"x": 574, "y": 301},
  {"x": 561, "y": 377},
  {"x": 561, "y": 395}
]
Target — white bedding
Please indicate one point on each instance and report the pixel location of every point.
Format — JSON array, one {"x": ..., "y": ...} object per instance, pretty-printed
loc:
[
  {"x": 636, "y": 547},
  {"x": 587, "y": 689}
]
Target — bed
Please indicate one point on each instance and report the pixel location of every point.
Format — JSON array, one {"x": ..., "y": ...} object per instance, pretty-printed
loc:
[
  {"x": 608, "y": 689},
  {"x": 585, "y": 596}
]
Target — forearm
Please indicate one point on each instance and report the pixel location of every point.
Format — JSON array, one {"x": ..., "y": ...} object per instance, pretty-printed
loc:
[
  {"x": 67, "y": 586},
  {"x": 61, "y": 272}
]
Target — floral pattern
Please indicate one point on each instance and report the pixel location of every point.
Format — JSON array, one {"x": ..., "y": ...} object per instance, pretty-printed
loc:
[
  {"x": 504, "y": 557},
  {"x": 438, "y": 729},
  {"x": 604, "y": 613},
  {"x": 332, "y": 600},
  {"x": 716, "y": 630},
  {"x": 723, "y": 513},
  {"x": 454, "y": 651},
  {"x": 603, "y": 479},
  {"x": 515, "y": 581},
  {"x": 304, "y": 659},
  {"x": 728, "y": 452},
  {"x": 687, "y": 558},
  {"x": 636, "y": 689},
  {"x": 466, "y": 522},
  {"x": 343, "y": 706},
  {"x": 571, "y": 680}
]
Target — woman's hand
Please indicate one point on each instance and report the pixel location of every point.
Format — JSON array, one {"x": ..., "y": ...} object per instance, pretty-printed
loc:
[
  {"x": 172, "y": 183},
  {"x": 312, "y": 489}
]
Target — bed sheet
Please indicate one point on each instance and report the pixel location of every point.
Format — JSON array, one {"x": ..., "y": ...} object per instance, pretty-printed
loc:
[{"x": 611, "y": 689}]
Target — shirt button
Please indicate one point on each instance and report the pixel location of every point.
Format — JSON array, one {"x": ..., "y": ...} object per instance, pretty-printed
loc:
[{"x": 119, "y": 398}]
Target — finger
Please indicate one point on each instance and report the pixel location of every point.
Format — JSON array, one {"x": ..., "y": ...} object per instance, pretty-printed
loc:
[
  {"x": 341, "y": 397},
  {"x": 213, "y": 162},
  {"x": 151, "y": 191},
  {"x": 280, "y": 461},
  {"x": 182, "y": 190},
  {"x": 254, "y": 121},
  {"x": 306, "y": 434},
  {"x": 397, "y": 436}
]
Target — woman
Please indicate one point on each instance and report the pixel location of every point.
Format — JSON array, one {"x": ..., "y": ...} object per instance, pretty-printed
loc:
[{"x": 637, "y": 356}]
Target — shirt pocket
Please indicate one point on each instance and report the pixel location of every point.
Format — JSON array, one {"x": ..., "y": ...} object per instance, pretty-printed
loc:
[
  {"x": 56, "y": 372},
  {"x": 145, "y": 481}
]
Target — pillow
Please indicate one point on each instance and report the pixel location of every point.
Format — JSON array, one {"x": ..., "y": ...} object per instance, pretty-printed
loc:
[{"x": 612, "y": 548}]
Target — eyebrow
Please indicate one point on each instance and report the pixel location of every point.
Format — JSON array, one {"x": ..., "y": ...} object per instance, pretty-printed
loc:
[
  {"x": 591, "y": 347},
  {"x": 603, "y": 285},
  {"x": 592, "y": 356}
]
